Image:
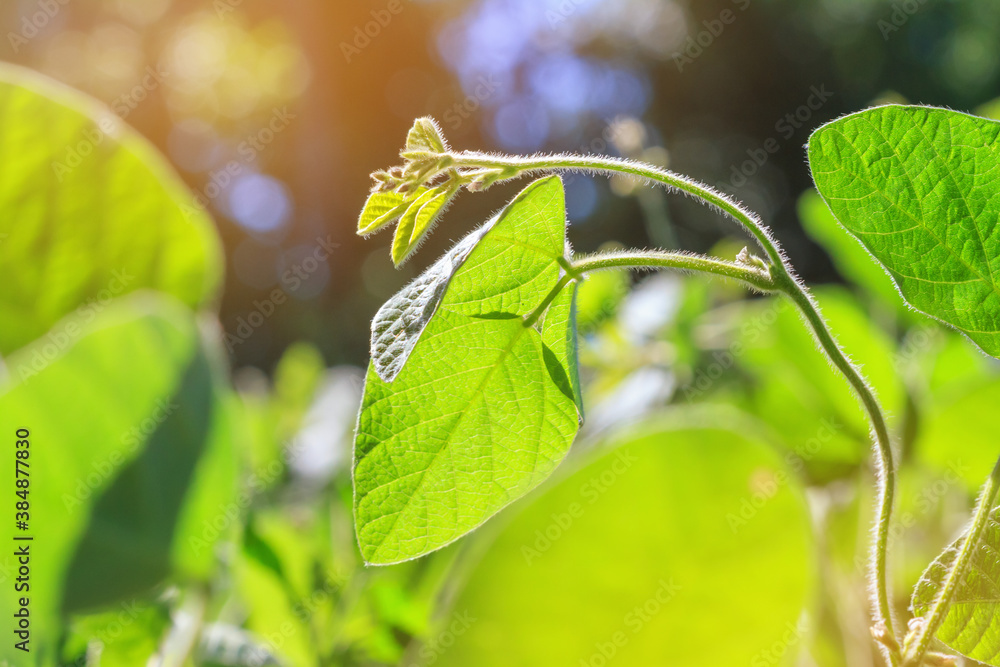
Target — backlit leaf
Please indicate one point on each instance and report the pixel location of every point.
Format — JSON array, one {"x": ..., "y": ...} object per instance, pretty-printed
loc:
[
  {"x": 381, "y": 209},
  {"x": 418, "y": 220},
  {"x": 480, "y": 407},
  {"x": 851, "y": 259},
  {"x": 920, "y": 188},
  {"x": 425, "y": 136},
  {"x": 972, "y": 624},
  {"x": 428, "y": 215}
]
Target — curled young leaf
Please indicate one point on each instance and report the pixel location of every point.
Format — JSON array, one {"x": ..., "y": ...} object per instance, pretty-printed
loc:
[{"x": 425, "y": 135}]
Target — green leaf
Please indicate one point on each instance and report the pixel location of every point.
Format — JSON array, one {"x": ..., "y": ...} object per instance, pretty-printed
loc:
[
  {"x": 972, "y": 625},
  {"x": 425, "y": 135},
  {"x": 472, "y": 407},
  {"x": 418, "y": 220},
  {"x": 91, "y": 211},
  {"x": 265, "y": 597},
  {"x": 127, "y": 635},
  {"x": 676, "y": 545},
  {"x": 381, "y": 209},
  {"x": 131, "y": 463},
  {"x": 917, "y": 186},
  {"x": 429, "y": 213}
]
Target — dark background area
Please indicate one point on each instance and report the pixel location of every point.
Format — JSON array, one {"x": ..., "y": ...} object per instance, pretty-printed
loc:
[{"x": 701, "y": 97}]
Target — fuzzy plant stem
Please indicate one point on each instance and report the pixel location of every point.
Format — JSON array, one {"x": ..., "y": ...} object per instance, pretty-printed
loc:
[{"x": 780, "y": 278}]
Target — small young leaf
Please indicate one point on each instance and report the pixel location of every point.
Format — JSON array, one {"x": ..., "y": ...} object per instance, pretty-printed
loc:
[
  {"x": 401, "y": 248},
  {"x": 418, "y": 219},
  {"x": 425, "y": 135},
  {"x": 918, "y": 187},
  {"x": 484, "y": 407},
  {"x": 381, "y": 209},
  {"x": 972, "y": 625},
  {"x": 429, "y": 213}
]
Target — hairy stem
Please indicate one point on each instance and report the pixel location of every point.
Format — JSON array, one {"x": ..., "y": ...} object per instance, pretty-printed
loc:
[
  {"x": 781, "y": 278},
  {"x": 916, "y": 648},
  {"x": 565, "y": 162},
  {"x": 886, "y": 472},
  {"x": 753, "y": 276}
]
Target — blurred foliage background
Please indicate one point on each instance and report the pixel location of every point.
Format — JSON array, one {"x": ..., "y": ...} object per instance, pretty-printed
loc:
[
  {"x": 741, "y": 536},
  {"x": 511, "y": 75}
]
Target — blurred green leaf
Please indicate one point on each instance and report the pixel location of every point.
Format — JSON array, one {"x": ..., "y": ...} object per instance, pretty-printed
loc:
[
  {"x": 946, "y": 363},
  {"x": 297, "y": 377},
  {"x": 259, "y": 550},
  {"x": 91, "y": 212},
  {"x": 127, "y": 635},
  {"x": 960, "y": 435},
  {"x": 972, "y": 624},
  {"x": 580, "y": 578},
  {"x": 131, "y": 461},
  {"x": 271, "y": 613},
  {"x": 483, "y": 409},
  {"x": 598, "y": 297},
  {"x": 917, "y": 186},
  {"x": 798, "y": 393}
]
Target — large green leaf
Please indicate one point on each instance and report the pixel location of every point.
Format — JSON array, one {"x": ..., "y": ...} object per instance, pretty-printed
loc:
[
  {"x": 919, "y": 188},
  {"x": 467, "y": 407},
  {"x": 90, "y": 211},
  {"x": 131, "y": 463},
  {"x": 678, "y": 545},
  {"x": 972, "y": 625}
]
